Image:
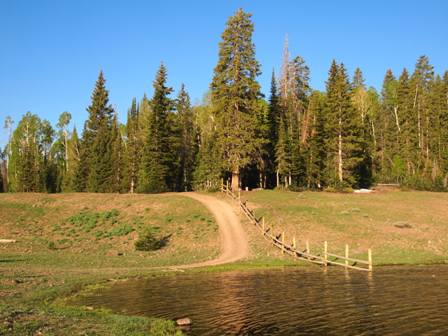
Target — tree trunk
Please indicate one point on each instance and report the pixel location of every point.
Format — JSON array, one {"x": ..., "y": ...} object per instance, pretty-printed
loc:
[
  {"x": 132, "y": 186},
  {"x": 340, "y": 151},
  {"x": 278, "y": 178},
  {"x": 397, "y": 122},
  {"x": 66, "y": 151},
  {"x": 235, "y": 180}
]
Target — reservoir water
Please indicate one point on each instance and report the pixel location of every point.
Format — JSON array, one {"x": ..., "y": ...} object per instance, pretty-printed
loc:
[{"x": 291, "y": 301}]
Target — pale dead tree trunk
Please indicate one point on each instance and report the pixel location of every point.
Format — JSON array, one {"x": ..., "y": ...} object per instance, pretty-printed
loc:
[
  {"x": 284, "y": 77},
  {"x": 132, "y": 186},
  {"x": 260, "y": 180},
  {"x": 289, "y": 179},
  {"x": 340, "y": 150},
  {"x": 396, "y": 118},
  {"x": 373, "y": 134},
  {"x": 286, "y": 181},
  {"x": 235, "y": 179},
  {"x": 418, "y": 117}
]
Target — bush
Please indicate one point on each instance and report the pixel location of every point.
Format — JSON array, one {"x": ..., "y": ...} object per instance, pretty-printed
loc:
[{"x": 149, "y": 242}]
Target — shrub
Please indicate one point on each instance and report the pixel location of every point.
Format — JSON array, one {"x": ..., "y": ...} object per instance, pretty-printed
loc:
[{"x": 149, "y": 242}]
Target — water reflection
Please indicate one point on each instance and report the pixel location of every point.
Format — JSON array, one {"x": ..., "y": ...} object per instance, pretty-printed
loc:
[{"x": 292, "y": 302}]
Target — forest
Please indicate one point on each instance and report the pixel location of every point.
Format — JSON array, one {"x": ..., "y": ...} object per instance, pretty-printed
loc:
[{"x": 348, "y": 136}]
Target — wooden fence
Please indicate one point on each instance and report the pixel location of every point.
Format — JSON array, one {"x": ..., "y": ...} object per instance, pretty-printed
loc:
[{"x": 324, "y": 258}]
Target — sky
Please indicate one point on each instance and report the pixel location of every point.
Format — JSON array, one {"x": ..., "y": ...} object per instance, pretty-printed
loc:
[{"x": 52, "y": 51}]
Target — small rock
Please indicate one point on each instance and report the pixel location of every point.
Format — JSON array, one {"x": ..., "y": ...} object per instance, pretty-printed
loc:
[
  {"x": 89, "y": 307},
  {"x": 402, "y": 225},
  {"x": 183, "y": 322}
]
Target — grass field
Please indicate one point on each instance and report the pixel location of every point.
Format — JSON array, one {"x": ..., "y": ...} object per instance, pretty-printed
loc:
[
  {"x": 401, "y": 227},
  {"x": 67, "y": 241}
]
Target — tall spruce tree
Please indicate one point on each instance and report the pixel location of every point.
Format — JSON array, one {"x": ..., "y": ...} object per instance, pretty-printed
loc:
[
  {"x": 273, "y": 121},
  {"x": 188, "y": 140},
  {"x": 154, "y": 167},
  {"x": 316, "y": 154},
  {"x": 133, "y": 147},
  {"x": 118, "y": 160},
  {"x": 100, "y": 161},
  {"x": 235, "y": 93},
  {"x": 343, "y": 127},
  {"x": 95, "y": 167}
]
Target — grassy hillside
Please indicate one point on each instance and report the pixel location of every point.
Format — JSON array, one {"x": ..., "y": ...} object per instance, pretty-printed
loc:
[
  {"x": 68, "y": 241},
  {"x": 400, "y": 227},
  {"x": 99, "y": 230}
]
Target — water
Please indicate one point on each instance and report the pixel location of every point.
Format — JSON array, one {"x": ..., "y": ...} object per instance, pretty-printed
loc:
[{"x": 391, "y": 301}]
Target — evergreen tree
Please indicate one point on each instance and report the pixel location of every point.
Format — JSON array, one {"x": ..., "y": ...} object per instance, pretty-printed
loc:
[
  {"x": 343, "y": 127},
  {"x": 154, "y": 165},
  {"x": 133, "y": 146},
  {"x": 207, "y": 172},
  {"x": 273, "y": 121},
  {"x": 235, "y": 93},
  {"x": 118, "y": 160},
  {"x": 188, "y": 140},
  {"x": 100, "y": 161},
  {"x": 94, "y": 169},
  {"x": 283, "y": 155},
  {"x": 316, "y": 154}
]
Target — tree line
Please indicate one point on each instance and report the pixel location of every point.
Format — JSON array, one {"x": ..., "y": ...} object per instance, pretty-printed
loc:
[{"x": 348, "y": 136}]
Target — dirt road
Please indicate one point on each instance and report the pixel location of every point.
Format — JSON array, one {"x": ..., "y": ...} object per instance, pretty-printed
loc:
[{"x": 233, "y": 239}]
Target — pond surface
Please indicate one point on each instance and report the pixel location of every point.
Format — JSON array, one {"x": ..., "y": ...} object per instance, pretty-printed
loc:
[{"x": 391, "y": 301}]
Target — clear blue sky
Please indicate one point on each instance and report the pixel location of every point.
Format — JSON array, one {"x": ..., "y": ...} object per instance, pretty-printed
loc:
[{"x": 51, "y": 51}]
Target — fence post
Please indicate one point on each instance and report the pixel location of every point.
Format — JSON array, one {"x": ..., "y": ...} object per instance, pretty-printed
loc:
[
  {"x": 283, "y": 242},
  {"x": 262, "y": 224},
  {"x": 307, "y": 247},
  {"x": 325, "y": 252},
  {"x": 294, "y": 243},
  {"x": 346, "y": 255},
  {"x": 369, "y": 253}
]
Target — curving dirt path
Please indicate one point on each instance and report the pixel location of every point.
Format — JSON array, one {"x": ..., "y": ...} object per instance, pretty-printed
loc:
[{"x": 234, "y": 245}]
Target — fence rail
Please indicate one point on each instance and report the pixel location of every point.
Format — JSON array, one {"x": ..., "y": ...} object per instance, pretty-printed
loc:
[{"x": 325, "y": 258}]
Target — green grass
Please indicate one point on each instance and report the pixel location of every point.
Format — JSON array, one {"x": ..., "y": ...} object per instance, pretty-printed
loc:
[
  {"x": 401, "y": 227},
  {"x": 68, "y": 241}
]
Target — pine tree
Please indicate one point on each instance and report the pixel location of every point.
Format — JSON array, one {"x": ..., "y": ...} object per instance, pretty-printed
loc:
[
  {"x": 360, "y": 100},
  {"x": 343, "y": 126},
  {"x": 95, "y": 169},
  {"x": 316, "y": 154},
  {"x": 283, "y": 155},
  {"x": 207, "y": 172},
  {"x": 118, "y": 160},
  {"x": 188, "y": 140},
  {"x": 294, "y": 93},
  {"x": 235, "y": 93},
  {"x": 273, "y": 130},
  {"x": 133, "y": 150},
  {"x": 154, "y": 165},
  {"x": 101, "y": 166}
]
